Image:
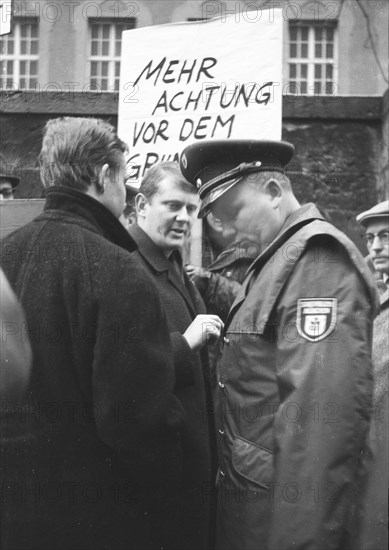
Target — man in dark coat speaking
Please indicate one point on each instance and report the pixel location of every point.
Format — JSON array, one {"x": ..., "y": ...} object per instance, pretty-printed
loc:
[
  {"x": 166, "y": 209},
  {"x": 97, "y": 430},
  {"x": 295, "y": 377}
]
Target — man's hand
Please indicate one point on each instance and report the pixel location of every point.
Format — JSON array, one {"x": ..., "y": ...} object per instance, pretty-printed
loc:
[
  {"x": 194, "y": 271},
  {"x": 203, "y": 330}
]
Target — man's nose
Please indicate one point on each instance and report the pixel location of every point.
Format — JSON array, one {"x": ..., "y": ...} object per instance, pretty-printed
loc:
[
  {"x": 376, "y": 244},
  {"x": 182, "y": 215},
  {"x": 227, "y": 230}
]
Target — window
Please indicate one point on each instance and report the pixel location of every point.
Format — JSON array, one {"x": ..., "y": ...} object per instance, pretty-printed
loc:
[
  {"x": 312, "y": 58},
  {"x": 105, "y": 51},
  {"x": 19, "y": 56}
]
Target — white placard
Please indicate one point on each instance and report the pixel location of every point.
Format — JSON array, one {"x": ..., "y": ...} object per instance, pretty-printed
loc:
[
  {"x": 184, "y": 82},
  {"x": 5, "y": 16}
]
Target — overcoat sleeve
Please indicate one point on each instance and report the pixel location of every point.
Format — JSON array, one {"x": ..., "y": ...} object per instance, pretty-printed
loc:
[
  {"x": 133, "y": 373},
  {"x": 325, "y": 389},
  {"x": 185, "y": 360}
]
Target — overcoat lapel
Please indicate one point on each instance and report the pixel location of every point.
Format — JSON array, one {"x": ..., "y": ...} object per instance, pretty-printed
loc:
[
  {"x": 183, "y": 289},
  {"x": 153, "y": 255}
]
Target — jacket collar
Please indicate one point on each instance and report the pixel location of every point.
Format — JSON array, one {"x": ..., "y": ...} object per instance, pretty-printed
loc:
[
  {"x": 160, "y": 263},
  {"x": 149, "y": 250},
  {"x": 244, "y": 250},
  {"x": 297, "y": 219},
  {"x": 87, "y": 212}
]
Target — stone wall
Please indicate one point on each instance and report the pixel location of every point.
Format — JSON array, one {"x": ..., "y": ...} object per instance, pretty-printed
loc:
[{"x": 341, "y": 160}]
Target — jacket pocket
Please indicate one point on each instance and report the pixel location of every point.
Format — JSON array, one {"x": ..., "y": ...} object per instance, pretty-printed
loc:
[{"x": 253, "y": 462}]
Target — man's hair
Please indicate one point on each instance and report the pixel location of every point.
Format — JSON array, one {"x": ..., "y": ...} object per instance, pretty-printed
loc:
[
  {"x": 150, "y": 183},
  {"x": 260, "y": 178},
  {"x": 75, "y": 149}
]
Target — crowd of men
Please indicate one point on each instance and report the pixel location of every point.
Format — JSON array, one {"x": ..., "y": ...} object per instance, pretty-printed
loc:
[{"x": 151, "y": 405}]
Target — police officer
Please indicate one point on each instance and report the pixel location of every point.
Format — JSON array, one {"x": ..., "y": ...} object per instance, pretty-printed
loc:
[{"x": 295, "y": 376}]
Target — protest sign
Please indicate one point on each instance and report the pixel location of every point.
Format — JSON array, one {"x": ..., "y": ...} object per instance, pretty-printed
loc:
[
  {"x": 5, "y": 16},
  {"x": 183, "y": 82}
]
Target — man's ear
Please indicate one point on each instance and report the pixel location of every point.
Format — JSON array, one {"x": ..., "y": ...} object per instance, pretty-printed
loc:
[
  {"x": 140, "y": 204},
  {"x": 274, "y": 190},
  {"x": 103, "y": 178}
]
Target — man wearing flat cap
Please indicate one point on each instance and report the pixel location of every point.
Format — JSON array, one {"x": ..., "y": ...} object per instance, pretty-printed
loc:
[
  {"x": 295, "y": 376},
  {"x": 8, "y": 182},
  {"x": 374, "y": 527}
]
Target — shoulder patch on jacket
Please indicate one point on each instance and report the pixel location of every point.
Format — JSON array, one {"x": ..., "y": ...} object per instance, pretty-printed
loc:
[{"x": 316, "y": 318}]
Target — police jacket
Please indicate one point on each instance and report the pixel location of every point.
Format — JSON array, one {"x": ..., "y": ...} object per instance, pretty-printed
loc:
[{"x": 294, "y": 393}]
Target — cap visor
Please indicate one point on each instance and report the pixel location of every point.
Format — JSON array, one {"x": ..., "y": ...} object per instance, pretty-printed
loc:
[{"x": 215, "y": 194}]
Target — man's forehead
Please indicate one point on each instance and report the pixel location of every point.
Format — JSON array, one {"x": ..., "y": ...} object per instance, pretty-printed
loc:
[
  {"x": 168, "y": 186},
  {"x": 5, "y": 183},
  {"x": 377, "y": 224}
]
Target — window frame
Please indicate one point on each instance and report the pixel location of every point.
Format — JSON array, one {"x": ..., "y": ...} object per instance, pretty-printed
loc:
[
  {"x": 312, "y": 61},
  {"x": 111, "y": 58},
  {"x": 17, "y": 57}
]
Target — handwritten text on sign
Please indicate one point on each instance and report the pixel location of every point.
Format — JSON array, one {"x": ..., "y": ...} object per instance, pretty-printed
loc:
[{"x": 222, "y": 81}]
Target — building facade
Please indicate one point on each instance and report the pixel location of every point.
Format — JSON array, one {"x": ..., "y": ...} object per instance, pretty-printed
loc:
[{"x": 331, "y": 47}]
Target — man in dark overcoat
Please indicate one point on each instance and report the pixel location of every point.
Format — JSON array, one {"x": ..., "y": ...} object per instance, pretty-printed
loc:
[
  {"x": 294, "y": 394},
  {"x": 96, "y": 435},
  {"x": 166, "y": 209}
]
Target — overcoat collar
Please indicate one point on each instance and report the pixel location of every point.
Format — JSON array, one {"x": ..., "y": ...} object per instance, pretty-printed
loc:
[
  {"x": 149, "y": 250},
  {"x": 160, "y": 264},
  {"x": 384, "y": 299},
  {"x": 87, "y": 212}
]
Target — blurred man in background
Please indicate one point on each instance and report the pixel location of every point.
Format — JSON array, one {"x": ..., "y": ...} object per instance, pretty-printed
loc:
[
  {"x": 8, "y": 182},
  {"x": 375, "y": 222}
]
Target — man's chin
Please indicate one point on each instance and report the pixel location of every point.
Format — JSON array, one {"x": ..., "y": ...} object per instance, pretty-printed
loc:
[
  {"x": 176, "y": 237},
  {"x": 176, "y": 241},
  {"x": 381, "y": 265}
]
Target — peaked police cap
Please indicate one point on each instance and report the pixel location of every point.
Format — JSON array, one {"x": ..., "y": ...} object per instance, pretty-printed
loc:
[{"x": 213, "y": 167}]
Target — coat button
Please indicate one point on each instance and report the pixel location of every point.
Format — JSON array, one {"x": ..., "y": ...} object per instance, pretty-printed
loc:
[
  {"x": 222, "y": 474},
  {"x": 221, "y": 432},
  {"x": 226, "y": 340},
  {"x": 221, "y": 385}
]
